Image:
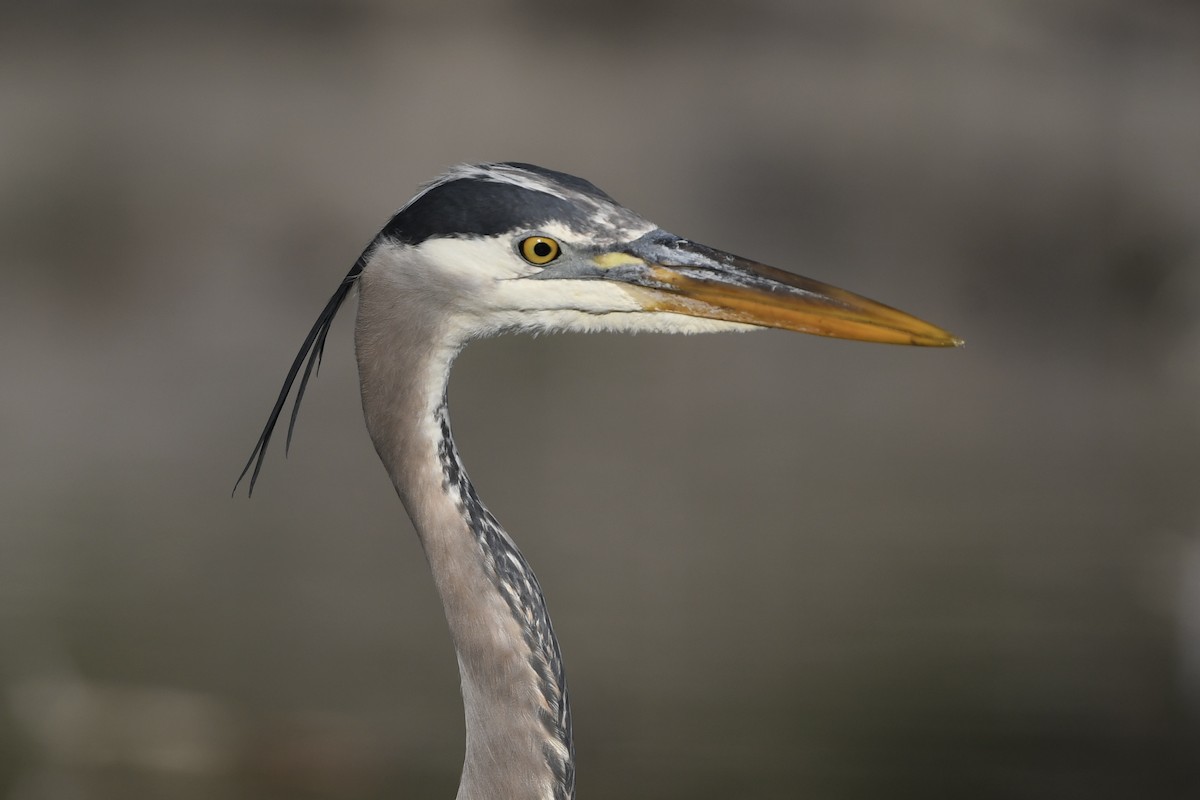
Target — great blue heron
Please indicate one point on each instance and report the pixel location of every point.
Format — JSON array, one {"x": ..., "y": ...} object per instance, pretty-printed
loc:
[{"x": 491, "y": 248}]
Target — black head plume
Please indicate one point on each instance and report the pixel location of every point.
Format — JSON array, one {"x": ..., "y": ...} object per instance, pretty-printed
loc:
[{"x": 313, "y": 347}]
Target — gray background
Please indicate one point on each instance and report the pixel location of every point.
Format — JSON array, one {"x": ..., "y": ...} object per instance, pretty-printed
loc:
[{"x": 780, "y": 566}]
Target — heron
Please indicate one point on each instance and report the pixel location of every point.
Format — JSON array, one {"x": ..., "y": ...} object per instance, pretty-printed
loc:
[{"x": 503, "y": 247}]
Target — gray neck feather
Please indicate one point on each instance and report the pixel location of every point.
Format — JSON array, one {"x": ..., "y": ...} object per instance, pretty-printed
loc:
[{"x": 518, "y": 719}]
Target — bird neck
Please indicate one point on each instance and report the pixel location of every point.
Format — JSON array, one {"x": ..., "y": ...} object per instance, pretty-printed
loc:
[{"x": 518, "y": 719}]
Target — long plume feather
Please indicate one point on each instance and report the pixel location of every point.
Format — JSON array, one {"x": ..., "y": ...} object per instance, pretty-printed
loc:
[{"x": 313, "y": 347}]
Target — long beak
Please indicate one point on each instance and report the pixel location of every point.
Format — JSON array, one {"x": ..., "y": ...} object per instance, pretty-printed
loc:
[{"x": 689, "y": 278}]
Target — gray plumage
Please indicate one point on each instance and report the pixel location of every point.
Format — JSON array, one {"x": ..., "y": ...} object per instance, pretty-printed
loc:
[{"x": 492, "y": 248}]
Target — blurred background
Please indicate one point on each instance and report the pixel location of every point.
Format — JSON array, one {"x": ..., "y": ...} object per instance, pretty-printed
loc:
[{"x": 780, "y": 566}]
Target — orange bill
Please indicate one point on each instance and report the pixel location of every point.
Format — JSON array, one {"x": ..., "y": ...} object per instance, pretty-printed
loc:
[{"x": 689, "y": 278}]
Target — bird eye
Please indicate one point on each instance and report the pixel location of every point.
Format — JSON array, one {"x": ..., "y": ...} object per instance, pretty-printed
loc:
[{"x": 539, "y": 250}]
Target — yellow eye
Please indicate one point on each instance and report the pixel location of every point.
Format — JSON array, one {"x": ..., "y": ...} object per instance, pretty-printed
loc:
[{"x": 539, "y": 250}]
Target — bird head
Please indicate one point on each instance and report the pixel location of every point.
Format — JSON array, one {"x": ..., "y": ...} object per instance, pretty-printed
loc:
[
  {"x": 510, "y": 246},
  {"x": 496, "y": 247}
]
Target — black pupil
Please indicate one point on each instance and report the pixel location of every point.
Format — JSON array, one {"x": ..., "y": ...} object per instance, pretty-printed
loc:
[{"x": 542, "y": 249}]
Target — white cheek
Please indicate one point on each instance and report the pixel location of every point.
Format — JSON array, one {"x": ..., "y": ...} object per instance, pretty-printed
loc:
[
  {"x": 591, "y": 296},
  {"x": 473, "y": 263}
]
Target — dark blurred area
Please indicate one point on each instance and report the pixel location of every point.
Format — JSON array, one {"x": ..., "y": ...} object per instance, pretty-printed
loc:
[{"x": 779, "y": 566}]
